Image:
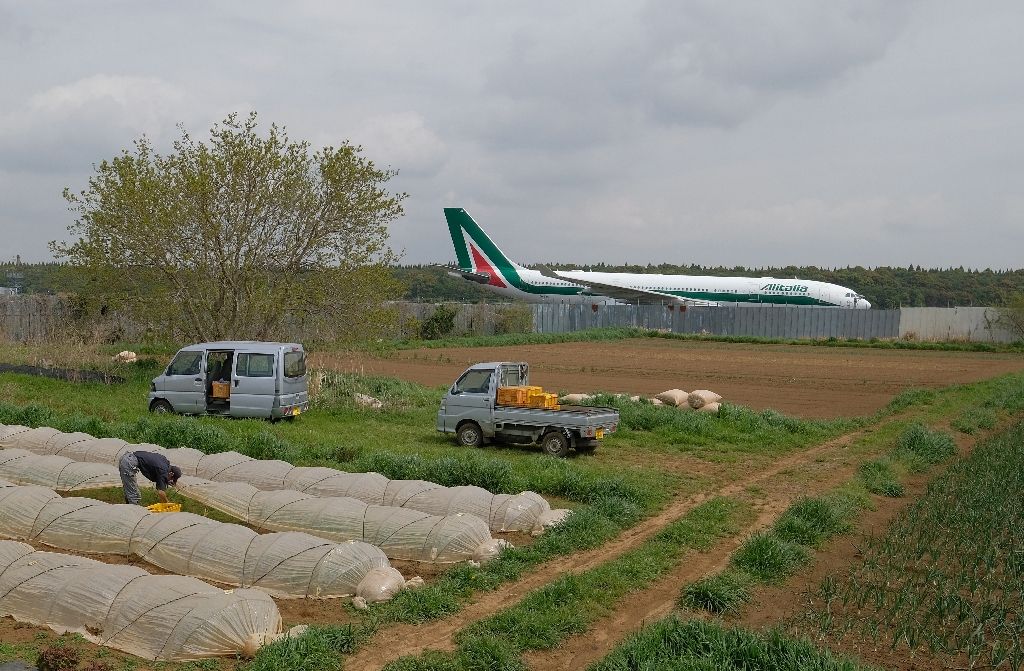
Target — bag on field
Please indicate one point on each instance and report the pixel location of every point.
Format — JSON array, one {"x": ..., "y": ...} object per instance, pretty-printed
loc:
[
  {"x": 712, "y": 407},
  {"x": 701, "y": 397},
  {"x": 576, "y": 399},
  {"x": 674, "y": 397}
]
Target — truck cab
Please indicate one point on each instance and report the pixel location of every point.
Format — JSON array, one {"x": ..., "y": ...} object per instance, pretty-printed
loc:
[{"x": 234, "y": 378}]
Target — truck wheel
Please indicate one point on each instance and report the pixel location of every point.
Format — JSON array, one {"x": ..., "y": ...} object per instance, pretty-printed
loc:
[
  {"x": 161, "y": 407},
  {"x": 555, "y": 443},
  {"x": 470, "y": 435}
]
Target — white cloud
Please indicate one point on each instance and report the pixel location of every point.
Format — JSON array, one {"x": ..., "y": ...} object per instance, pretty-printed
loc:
[
  {"x": 68, "y": 127},
  {"x": 402, "y": 140}
]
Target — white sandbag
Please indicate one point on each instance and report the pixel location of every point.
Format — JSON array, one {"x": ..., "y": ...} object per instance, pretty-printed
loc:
[
  {"x": 712, "y": 407},
  {"x": 656, "y": 401},
  {"x": 674, "y": 397},
  {"x": 702, "y": 396},
  {"x": 575, "y": 399}
]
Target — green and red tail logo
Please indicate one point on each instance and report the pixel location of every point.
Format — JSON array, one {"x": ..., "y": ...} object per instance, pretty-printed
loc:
[{"x": 476, "y": 252}]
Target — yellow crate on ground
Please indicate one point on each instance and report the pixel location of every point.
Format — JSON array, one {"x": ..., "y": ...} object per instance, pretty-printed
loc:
[
  {"x": 164, "y": 508},
  {"x": 513, "y": 395}
]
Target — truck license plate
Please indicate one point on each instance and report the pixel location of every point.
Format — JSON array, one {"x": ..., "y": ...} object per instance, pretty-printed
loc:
[{"x": 599, "y": 433}]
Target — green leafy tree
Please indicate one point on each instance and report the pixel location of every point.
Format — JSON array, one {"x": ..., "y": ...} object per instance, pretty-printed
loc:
[{"x": 246, "y": 235}]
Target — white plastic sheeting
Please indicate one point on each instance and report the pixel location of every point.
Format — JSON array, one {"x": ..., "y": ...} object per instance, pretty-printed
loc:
[
  {"x": 527, "y": 511},
  {"x": 158, "y": 617},
  {"x": 286, "y": 565},
  {"x": 60, "y": 473},
  {"x": 399, "y": 532}
]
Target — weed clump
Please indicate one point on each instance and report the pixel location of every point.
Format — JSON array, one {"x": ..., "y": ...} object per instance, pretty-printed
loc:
[
  {"x": 921, "y": 447},
  {"x": 810, "y": 521},
  {"x": 721, "y": 593},
  {"x": 878, "y": 478},
  {"x": 768, "y": 558}
]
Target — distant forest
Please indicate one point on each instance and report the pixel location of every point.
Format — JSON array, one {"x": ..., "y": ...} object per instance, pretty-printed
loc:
[{"x": 885, "y": 287}]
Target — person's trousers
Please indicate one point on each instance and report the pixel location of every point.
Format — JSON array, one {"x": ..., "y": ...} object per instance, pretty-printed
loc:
[{"x": 129, "y": 468}]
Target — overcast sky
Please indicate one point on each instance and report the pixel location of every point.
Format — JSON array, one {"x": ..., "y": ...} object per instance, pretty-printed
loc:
[{"x": 720, "y": 133}]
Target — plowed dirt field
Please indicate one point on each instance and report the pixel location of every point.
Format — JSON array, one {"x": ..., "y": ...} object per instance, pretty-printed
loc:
[{"x": 804, "y": 381}]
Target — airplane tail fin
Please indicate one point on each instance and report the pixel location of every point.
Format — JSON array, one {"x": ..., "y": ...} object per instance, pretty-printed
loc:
[{"x": 476, "y": 252}]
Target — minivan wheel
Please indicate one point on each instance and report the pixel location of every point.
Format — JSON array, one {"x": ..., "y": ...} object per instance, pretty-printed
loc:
[
  {"x": 555, "y": 443},
  {"x": 161, "y": 407},
  {"x": 470, "y": 435}
]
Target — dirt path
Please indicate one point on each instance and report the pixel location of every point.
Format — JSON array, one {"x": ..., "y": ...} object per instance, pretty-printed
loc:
[
  {"x": 413, "y": 639},
  {"x": 799, "y": 380}
]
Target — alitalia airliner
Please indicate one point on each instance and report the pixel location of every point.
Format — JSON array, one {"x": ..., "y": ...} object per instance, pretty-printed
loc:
[{"x": 480, "y": 261}]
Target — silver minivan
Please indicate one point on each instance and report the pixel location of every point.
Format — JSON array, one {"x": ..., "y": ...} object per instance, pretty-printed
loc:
[{"x": 235, "y": 378}]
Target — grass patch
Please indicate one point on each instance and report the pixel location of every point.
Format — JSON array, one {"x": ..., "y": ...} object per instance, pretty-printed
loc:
[
  {"x": 319, "y": 649},
  {"x": 570, "y": 604},
  {"x": 768, "y": 558},
  {"x": 972, "y": 420},
  {"x": 720, "y": 593},
  {"x": 612, "y": 334},
  {"x": 879, "y": 478},
  {"x": 676, "y": 645},
  {"x": 920, "y": 447},
  {"x": 811, "y": 521}
]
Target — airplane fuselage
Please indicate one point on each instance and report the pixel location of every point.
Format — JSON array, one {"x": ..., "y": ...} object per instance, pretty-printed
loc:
[{"x": 536, "y": 287}]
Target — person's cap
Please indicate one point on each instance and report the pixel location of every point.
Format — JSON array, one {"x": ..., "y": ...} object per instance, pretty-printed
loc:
[{"x": 175, "y": 474}]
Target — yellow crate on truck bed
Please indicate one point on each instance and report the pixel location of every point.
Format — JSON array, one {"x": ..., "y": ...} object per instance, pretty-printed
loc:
[
  {"x": 513, "y": 395},
  {"x": 543, "y": 400}
]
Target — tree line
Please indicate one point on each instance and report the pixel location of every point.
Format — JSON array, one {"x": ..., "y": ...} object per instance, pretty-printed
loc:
[{"x": 886, "y": 287}]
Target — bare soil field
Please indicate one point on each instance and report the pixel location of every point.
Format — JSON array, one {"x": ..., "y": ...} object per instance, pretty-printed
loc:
[{"x": 803, "y": 381}]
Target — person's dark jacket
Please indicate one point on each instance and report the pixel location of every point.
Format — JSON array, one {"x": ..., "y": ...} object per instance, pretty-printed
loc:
[{"x": 155, "y": 467}]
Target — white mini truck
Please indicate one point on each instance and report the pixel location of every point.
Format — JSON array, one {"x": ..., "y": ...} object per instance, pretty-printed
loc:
[{"x": 470, "y": 410}]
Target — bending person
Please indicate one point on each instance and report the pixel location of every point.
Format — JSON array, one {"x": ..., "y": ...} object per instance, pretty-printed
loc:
[{"x": 154, "y": 466}]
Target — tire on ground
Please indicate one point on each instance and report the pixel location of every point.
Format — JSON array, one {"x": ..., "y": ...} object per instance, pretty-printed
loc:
[{"x": 555, "y": 443}]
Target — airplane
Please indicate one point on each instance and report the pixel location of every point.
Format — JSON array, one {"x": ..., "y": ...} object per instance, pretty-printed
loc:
[{"x": 480, "y": 261}]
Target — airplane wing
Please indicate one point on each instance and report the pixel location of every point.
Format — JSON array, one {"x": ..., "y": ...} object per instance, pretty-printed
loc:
[{"x": 622, "y": 293}]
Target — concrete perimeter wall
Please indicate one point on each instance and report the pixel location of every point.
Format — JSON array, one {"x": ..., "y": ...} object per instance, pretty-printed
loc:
[
  {"x": 943, "y": 324},
  {"x": 930, "y": 324}
]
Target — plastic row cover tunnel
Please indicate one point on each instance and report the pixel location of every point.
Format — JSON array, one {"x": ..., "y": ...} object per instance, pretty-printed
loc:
[
  {"x": 527, "y": 511},
  {"x": 400, "y": 533},
  {"x": 158, "y": 617},
  {"x": 287, "y": 565}
]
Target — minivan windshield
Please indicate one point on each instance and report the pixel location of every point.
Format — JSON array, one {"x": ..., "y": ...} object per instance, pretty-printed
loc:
[
  {"x": 294, "y": 364},
  {"x": 185, "y": 363}
]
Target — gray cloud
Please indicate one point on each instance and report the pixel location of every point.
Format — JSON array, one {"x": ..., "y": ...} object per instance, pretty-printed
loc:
[{"x": 832, "y": 133}]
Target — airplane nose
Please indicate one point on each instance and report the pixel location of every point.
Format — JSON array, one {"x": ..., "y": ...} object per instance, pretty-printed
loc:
[{"x": 864, "y": 305}]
